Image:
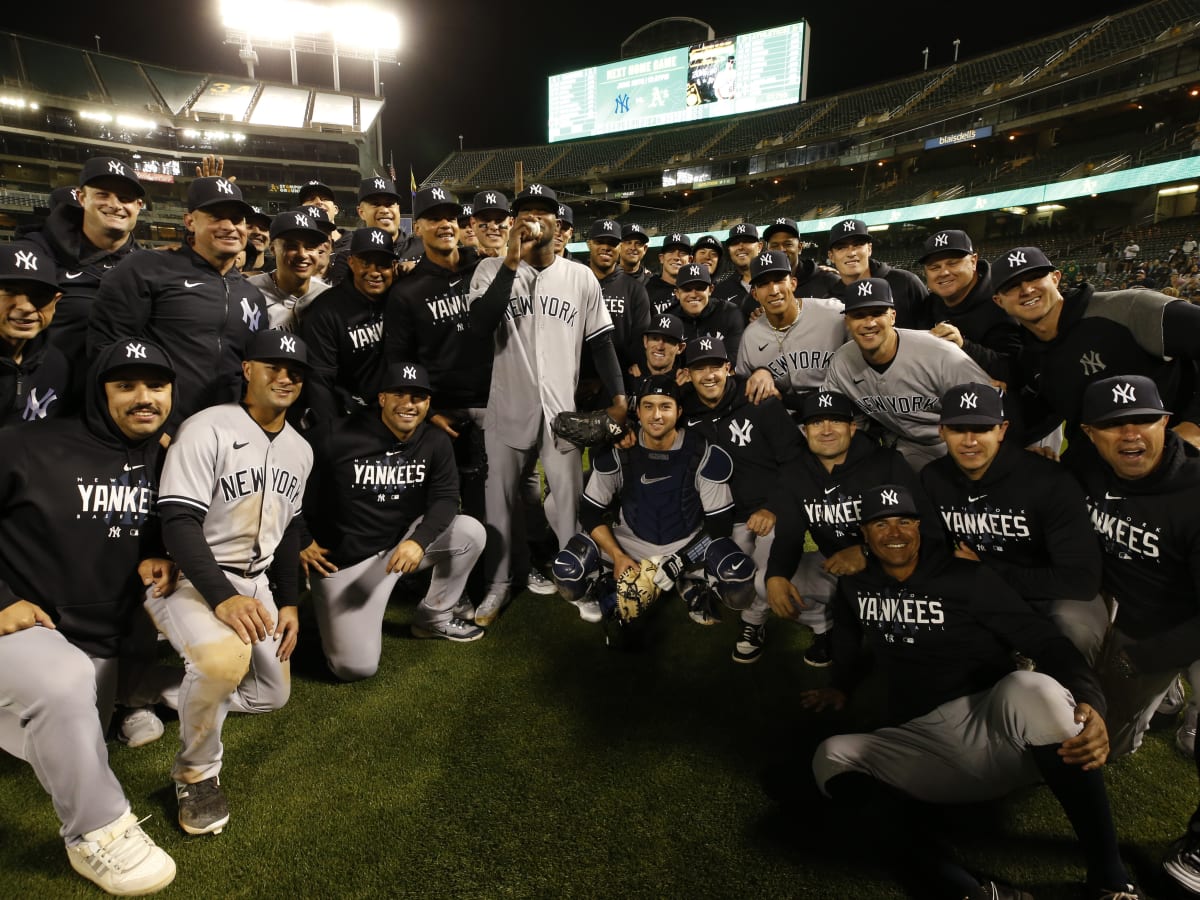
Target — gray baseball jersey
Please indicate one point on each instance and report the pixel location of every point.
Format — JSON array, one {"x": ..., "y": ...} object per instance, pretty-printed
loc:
[
  {"x": 798, "y": 356},
  {"x": 538, "y": 344},
  {"x": 906, "y": 397},
  {"x": 284, "y": 309},
  {"x": 247, "y": 483}
]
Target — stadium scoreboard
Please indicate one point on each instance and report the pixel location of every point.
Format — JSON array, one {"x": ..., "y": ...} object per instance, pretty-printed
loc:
[{"x": 722, "y": 77}]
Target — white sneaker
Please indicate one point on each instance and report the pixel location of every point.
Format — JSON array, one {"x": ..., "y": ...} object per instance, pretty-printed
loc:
[
  {"x": 1185, "y": 737},
  {"x": 464, "y": 609},
  {"x": 456, "y": 630},
  {"x": 589, "y": 610},
  {"x": 122, "y": 859},
  {"x": 1173, "y": 701},
  {"x": 540, "y": 584},
  {"x": 141, "y": 727},
  {"x": 489, "y": 610}
]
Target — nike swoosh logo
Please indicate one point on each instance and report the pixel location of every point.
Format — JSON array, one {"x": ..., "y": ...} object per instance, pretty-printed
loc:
[
  {"x": 237, "y": 446},
  {"x": 191, "y": 284},
  {"x": 73, "y": 275},
  {"x": 971, "y": 499},
  {"x": 455, "y": 283},
  {"x": 646, "y": 480},
  {"x": 738, "y": 566},
  {"x": 1108, "y": 496},
  {"x": 829, "y": 491},
  {"x": 693, "y": 422},
  {"x": 392, "y": 452},
  {"x": 129, "y": 468},
  {"x": 858, "y": 381},
  {"x": 763, "y": 347}
]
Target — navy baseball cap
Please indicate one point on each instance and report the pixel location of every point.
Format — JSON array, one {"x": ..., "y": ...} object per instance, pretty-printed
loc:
[
  {"x": 1123, "y": 397},
  {"x": 705, "y": 347},
  {"x": 111, "y": 167},
  {"x": 848, "y": 229},
  {"x": 824, "y": 404},
  {"x": 888, "y": 500},
  {"x": 634, "y": 232},
  {"x": 668, "y": 326},
  {"x": 535, "y": 194},
  {"x": 428, "y": 199},
  {"x": 320, "y": 217},
  {"x": 768, "y": 264},
  {"x": 972, "y": 404},
  {"x": 275, "y": 344},
  {"x": 783, "y": 223},
  {"x": 298, "y": 222},
  {"x": 62, "y": 195},
  {"x": 951, "y": 241},
  {"x": 490, "y": 200},
  {"x": 464, "y": 214},
  {"x": 1018, "y": 264},
  {"x": 404, "y": 376},
  {"x": 24, "y": 261},
  {"x": 666, "y": 385},
  {"x": 708, "y": 242},
  {"x": 213, "y": 191},
  {"x": 377, "y": 186},
  {"x": 371, "y": 240},
  {"x": 742, "y": 234},
  {"x": 136, "y": 351},
  {"x": 257, "y": 217},
  {"x": 693, "y": 273},
  {"x": 677, "y": 240},
  {"x": 566, "y": 214},
  {"x": 866, "y": 293},
  {"x": 314, "y": 189},
  {"x": 605, "y": 230}
]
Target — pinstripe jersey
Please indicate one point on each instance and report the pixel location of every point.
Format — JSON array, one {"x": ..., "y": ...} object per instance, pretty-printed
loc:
[{"x": 247, "y": 483}]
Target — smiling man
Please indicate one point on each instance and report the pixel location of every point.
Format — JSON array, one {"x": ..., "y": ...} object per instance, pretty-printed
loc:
[
  {"x": 743, "y": 245},
  {"x": 701, "y": 313},
  {"x": 297, "y": 239},
  {"x": 34, "y": 374},
  {"x": 491, "y": 219},
  {"x": 624, "y": 294},
  {"x": 850, "y": 251},
  {"x": 191, "y": 299},
  {"x": 675, "y": 253}
]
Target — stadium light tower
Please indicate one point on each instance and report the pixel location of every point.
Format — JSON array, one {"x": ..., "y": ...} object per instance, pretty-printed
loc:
[{"x": 345, "y": 30}]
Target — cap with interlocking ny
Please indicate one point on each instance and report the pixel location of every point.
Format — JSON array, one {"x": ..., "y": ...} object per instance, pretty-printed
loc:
[
  {"x": 769, "y": 264},
  {"x": 634, "y": 232},
  {"x": 951, "y": 242},
  {"x": 493, "y": 201},
  {"x": 867, "y": 293},
  {"x": 275, "y": 344},
  {"x": 826, "y": 405},
  {"x": 664, "y": 384},
  {"x": 705, "y": 347},
  {"x": 742, "y": 234},
  {"x": 377, "y": 186},
  {"x": 26, "y": 261},
  {"x": 534, "y": 195},
  {"x": 677, "y": 240},
  {"x": 1019, "y": 264},
  {"x": 972, "y": 403},
  {"x": 604, "y": 229},
  {"x": 436, "y": 197},
  {"x": 784, "y": 224},
  {"x": 319, "y": 216},
  {"x": 402, "y": 376},
  {"x": 213, "y": 191},
  {"x": 1122, "y": 397},
  {"x": 135, "y": 351},
  {"x": 693, "y": 273},
  {"x": 314, "y": 190},
  {"x": 848, "y": 229},
  {"x": 111, "y": 167},
  {"x": 299, "y": 223},
  {"x": 566, "y": 214},
  {"x": 668, "y": 326},
  {"x": 888, "y": 500},
  {"x": 371, "y": 240}
]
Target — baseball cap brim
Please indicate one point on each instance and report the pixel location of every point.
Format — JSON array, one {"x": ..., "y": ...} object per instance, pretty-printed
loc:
[
  {"x": 1032, "y": 272},
  {"x": 1136, "y": 412}
]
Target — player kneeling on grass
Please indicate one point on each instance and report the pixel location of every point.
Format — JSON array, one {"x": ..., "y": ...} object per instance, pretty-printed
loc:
[
  {"x": 231, "y": 490},
  {"x": 382, "y": 503},
  {"x": 78, "y": 540},
  {"x": 966, "y": 726},
  {"x": 675, "y": 514}
]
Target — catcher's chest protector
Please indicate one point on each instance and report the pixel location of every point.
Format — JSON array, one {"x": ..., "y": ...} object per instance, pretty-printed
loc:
[{"x": 659, "y": 500}]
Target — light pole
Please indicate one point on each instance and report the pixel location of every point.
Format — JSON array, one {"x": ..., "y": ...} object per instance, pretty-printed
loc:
[
  {"x": 925, "y": 53},
  {"x": 956, "y": 43}
]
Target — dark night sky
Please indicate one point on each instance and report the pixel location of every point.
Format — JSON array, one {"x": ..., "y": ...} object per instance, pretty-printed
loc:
[{"x": 480, "y": 69}]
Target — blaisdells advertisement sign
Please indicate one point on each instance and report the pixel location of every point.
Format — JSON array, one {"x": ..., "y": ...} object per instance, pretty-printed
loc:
[
  {"x": 715, "y": 78},
  {"x": 960, "y": 137}
]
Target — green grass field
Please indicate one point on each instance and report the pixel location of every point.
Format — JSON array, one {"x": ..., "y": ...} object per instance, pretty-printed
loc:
[{"x": 540, "y": 763}]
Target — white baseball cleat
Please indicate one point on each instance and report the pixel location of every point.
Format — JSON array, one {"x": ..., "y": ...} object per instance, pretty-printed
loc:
[
  {"x": 141, "y": 727},
  {"x": 122, "y": 859}
]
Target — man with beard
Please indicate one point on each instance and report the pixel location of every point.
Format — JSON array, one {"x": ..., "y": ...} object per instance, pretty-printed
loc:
[
  {"x": 634, "y": 242},
  {"x": 743, "y": 245}
]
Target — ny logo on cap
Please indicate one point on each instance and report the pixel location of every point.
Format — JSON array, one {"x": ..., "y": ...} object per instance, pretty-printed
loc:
[
  {"x": 315, "y": 211},
  {"x": 866, "y": 289},
  {"x": 740, "y": 229},
  {"x": 224, "y": 186},
  {"x": 116, "y": 168},
  {"x": 705, "y": 344},
  {"x": 1123, "y": 393},
  {"x": 676, "y": 238},
  {"x": 941, "y": 240},
  {"x": 889, "y": 497},
  {"x": 633, "y": 226},
  {"x": 781, "y": 221},
  {"x": 376, "y": 237},
  {"x": 301, "y": 221},
  {"x": 824, "y": 400},
  {"x": 489, "y": 198},
  {"x": 562, "y": 211},
  {"x": 26, "y": 260},
  {"x": 848, "y": 225},
  {"x": 438, "y": 194},
  {"x": 767, "y": 259},
  {"x": 664, "y": 322},
  {"x": 693, "y": 270},
  {"x": 1016, "y": 258},
  {"x": 468, "y": 210},
  {"x": 135, "y": 351},
  {"x": 381, "y": 184},
  {"x": 968, "y": 401},
  {"x": 410, "y": 372},
  {"x": 535, "y": 189},
  {"x": 609, "y": 225},
  {"x": 287, "y": 344}
]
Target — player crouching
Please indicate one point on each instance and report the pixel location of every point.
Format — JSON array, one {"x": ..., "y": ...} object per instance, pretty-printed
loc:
[
  {"x": 383, "y": 502},
  {"x": 231, "y": 490},
  {"x": 674, "y": 514}
]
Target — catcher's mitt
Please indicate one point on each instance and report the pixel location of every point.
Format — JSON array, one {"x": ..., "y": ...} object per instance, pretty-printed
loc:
[
  {"x": 590, "y": 429},
  {"x": 636, "y": 590}
]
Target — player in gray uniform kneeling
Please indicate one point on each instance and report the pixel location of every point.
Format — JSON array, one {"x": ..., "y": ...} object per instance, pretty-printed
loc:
[
  {"x": 383, "y": 502},
  {"x": 231, "y": 489}
]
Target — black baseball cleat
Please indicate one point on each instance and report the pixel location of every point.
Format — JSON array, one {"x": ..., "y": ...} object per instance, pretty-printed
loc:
[
  {"x": 818, "y": 653},
  {"x": 1183, "y": 863},
  {"x": 202, "y": 806}
]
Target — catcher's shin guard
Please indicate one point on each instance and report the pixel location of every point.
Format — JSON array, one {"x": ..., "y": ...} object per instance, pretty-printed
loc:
[
  {"x": 575, "y": 566},
  {"x": 732, "y": 572}
]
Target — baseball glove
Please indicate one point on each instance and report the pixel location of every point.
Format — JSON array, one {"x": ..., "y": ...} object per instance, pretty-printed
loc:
[
  {"x": 590, "y": 429},
  {"x": 636, "y": 590}
]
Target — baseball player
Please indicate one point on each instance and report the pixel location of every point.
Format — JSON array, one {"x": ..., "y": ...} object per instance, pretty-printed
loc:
[
  {"x": 83, "y": 490},
  {"x": 258, "y": 243},
  {"x": 192, "y": 300},
  {"x": 707, "y": 251},
  {"x": 35, "y": 377},
  {"x": 897, "y": 375},
  {"x": 297, "y": 239},
  {"x": 541, "y": 309},
  {"x": 663, "y": 346},
  {"x": 850, "y": 248},
  {"x": 786, "y": 351},
  {"x": 701, "y": 312},
  {"x": 633, "y": 253},
  {"x": 822, "y": 495},
  {"x": 743, "y": 244},
  {"x": 962, "y": 725},
  {"x": 675, "y": 253},
  {"x": 566, "y": 229},
  {"x": 762, "y": 442},
  {"x": 382, "y": 503},
  {"x": 671, "y": 490},
  {"x": 466, "y": 231},
  {"x": 960, "y": 288},
  {"x": 491, "y": 220},
  {"x": 317, "y": 193},
  {"x": 624, "y": 294},
  {"x": 378, "y": 207},
  {"x": 231, "y": 488},
  {"x": 344, "y": 330},
  {"x": 812, "y": 280}
]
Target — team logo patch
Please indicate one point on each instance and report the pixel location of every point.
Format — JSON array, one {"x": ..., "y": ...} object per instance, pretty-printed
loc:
[
  {"x": 116, "y": 168},
  {"x": 889, "y": 497},
  {"x": 224, "y": 187},
  {"x": 1016, "y": 258},
  {"x": 410, "y": 373},
  {"x": 24, "y": 259},
  {"x": 968, "y": 401},
  {"x": 740, "y": 434},
  {"x": 1123, "y": 393},
  {"x": 135, "y": 351},
  {"x": 705, "y": 344},
  {"x": 438, "y": 194},
  {"x": 941, "y": 240},
  {"x": 287, "y": 344},
  {"x": 381, "y": 184},
  {"x": 250, "y": 314},
  {"x": 301, "y": 221},
  {"x": 848, "y": 225},
  {"x": 825, "y": 401},
  {"x": 377, "y": 237},
  {"x": 1092, "y": 363},
  {"x": 866, "y": 289},
  {"x": 535, "y": 189},
  {"x": 767, "y": 259}
]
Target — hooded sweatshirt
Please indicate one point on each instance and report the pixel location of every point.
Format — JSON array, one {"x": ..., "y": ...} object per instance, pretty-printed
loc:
[
  {"x": 990, "y": 336},
  {"x": 37, "y": 387}
]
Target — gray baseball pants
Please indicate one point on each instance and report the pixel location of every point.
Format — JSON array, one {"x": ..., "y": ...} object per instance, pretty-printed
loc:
[{"x": 815, "y": 585}]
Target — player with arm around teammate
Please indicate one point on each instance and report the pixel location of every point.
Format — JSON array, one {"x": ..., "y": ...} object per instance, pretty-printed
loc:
[
  {"x": 78, "y": 542},
  {"x": 962, "y": 725},
  {"x": 231, "y": 489},
  {"x": 671, "y": 491},
  {"x": 382, "y": 503}
]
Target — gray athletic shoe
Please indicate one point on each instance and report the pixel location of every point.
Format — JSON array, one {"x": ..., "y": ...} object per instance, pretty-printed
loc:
[
  {"x": 589, "y": 609},
  {"x": 1183, "y": 863},
  {"x": 455, "y": 630},
  {"x": 540, "y": 584},
  {"x": 1185, "y": 737},
  {"x": 464, "y": 609},
  {"x": 122, "y": 859},
  {"x": 489, "y": 610},
  {"x": 1173, "y": 702},
  {"x": 141, "y": 727},
  {"x": 202, "y": 806}
]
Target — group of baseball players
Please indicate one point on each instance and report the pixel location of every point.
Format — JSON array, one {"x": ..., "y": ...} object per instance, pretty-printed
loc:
[{"x": 983, "y": 484}]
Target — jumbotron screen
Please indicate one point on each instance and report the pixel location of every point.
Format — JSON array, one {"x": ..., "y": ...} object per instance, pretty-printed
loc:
[{"x": 716, "y": 78}]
